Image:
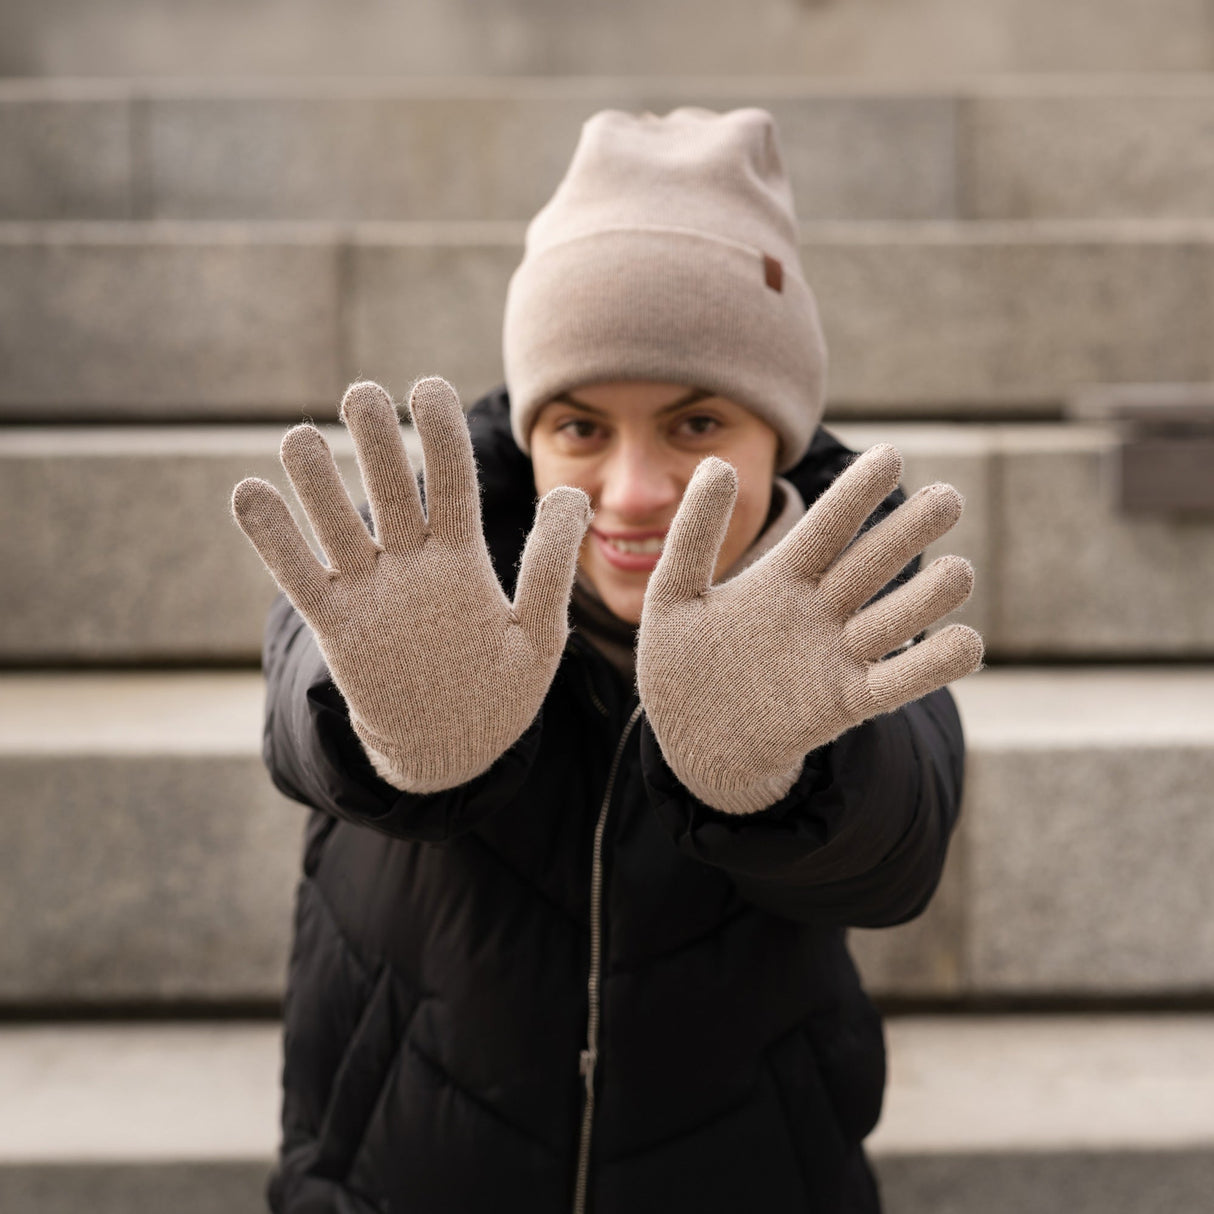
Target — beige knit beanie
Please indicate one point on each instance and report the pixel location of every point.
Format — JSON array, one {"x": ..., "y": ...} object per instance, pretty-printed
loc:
[{"x": 669, "y": 252}]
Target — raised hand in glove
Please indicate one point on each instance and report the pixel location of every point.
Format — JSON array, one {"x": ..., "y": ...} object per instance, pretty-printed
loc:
[
  {"x": 441, "y": 672},
  {"x": 740, "y": 681}
]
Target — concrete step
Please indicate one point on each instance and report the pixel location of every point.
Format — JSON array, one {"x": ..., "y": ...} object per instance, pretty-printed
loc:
[
  {"x": 428, "y": 150},
  {"x": 1085, "y": 846},
  {"x": 102, "y": 321},
  {"x": 1078, "y": 1115},
  {"x": 915, "y": 38},
  {"x": 1031, "y": 148},
  {"x": 1063, "y": 571},
  {"x": 1062, "y": 1115},
  {"x": 120, "y": 546},
  {"x": 131, "y": 1118},
  {"x": 123, "y": 544},
  {"x": 148, "y": 860}
]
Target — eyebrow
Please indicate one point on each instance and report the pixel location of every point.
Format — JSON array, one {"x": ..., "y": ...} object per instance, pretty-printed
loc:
[{"x": 694, "y": 395}]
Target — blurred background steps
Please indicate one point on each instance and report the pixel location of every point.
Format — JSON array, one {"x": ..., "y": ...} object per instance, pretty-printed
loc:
[
  {"x": 983, "y": 1115},
  {"x": 1059, "y": 147},
  {"x": 149, "y": 863},
  {"x": 870, "y": 38},
  {"x": 188, "y": 321},
  {"x": 120, "y": 549},
  {"x": 977, "y": 251}
]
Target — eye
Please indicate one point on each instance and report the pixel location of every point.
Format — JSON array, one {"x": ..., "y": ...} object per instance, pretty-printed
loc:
[
  {"x": 578, "y": 429},
  {"x": 698, "y": 425}
]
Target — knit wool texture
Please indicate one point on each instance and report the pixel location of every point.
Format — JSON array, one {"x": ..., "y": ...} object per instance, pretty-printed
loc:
[
  {"x": 670, "y": 252},
  {"x": 616, "y": 640},
  {"x": 741, "y": 680},
  {"x": 441, "y": 672}
]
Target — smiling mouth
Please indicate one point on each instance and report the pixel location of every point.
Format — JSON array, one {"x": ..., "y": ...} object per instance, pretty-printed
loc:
[{"x": 651, "y": 546}]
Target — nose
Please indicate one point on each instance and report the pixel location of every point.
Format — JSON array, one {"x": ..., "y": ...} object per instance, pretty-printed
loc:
[{"x": 637, "y": 486}]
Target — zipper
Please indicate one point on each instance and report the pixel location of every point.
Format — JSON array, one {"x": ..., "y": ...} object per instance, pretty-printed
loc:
[
  {"x": 589, "y": 1057},
  {"x": 595, "y": 699}
]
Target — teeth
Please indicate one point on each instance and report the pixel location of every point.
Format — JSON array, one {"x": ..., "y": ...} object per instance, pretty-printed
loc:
[{"x": 648, "y": 547}]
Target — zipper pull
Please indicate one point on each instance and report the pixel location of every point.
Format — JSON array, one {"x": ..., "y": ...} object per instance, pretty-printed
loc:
[{"x": 587, "y": 1061}]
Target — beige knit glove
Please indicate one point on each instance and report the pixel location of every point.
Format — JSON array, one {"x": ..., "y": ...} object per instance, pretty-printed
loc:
[
  {"x": 740, "y": 681},
  {"x": 441, "y": 672}
]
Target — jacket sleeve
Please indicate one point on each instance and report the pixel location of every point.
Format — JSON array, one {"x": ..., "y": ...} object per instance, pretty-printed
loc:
[
  {"x": 314, "y": 756},
  {"x": 858, "y": 841}
]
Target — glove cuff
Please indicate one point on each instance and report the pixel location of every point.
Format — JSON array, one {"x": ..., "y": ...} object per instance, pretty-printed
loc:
[
  {"x": 385, "y": 768},
  {"x": 393, "y": 767},
  {"x": 748, "y": 798}
]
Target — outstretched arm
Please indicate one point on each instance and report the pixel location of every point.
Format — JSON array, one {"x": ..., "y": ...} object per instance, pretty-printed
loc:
[
  {"x": 785, "y": 746},
  {"x": 314, "y": 756},
  {"x": 860, "y": 838},
  {"x": 441, "y": 673}
]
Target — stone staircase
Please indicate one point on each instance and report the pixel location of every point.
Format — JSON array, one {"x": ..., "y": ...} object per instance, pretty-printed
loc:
[
  {"x": 186, "y": 267},
  {"x": 865, "y": 39},
  {"x": 191, "y": 1127}
]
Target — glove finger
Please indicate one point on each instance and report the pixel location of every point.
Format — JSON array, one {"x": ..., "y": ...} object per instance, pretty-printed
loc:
[
  {"x": 694, "y": 540},
  {"x": 396, "y": 504},
  {"x": 902, "y": 614},
  {"x": 545, "y": 579},
  {"x": 949, "y": 654},
  {"x": 318, "y": 484},
  {"x": 453, "y": 505},
  {"x": 263, "y": 516},
  {"x": 833, "y": 520},
  {"x": 881, "y": 554}
]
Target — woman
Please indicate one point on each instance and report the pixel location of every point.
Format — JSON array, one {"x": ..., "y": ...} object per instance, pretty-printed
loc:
[{"x": 570, "y": 934}]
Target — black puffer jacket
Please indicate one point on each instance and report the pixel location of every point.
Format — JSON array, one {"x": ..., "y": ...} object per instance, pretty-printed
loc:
[{"x": 439, "y": 989}]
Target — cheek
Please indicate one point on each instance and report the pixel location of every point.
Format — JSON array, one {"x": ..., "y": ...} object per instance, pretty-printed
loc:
[
  {"x": 542, "y": 470},
  {"x": 756, "y": 472},
  {"x": 750, "y": 513},
  {"x": 550, "y": 470}
]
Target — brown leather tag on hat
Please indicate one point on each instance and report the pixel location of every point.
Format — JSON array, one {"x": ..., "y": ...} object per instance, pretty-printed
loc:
[{"x": 773, "y": 272}]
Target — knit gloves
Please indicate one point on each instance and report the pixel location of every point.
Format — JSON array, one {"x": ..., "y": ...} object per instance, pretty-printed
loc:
[
  {"x": 441, "y": 672},
  {"x": 740, "y": 681}
]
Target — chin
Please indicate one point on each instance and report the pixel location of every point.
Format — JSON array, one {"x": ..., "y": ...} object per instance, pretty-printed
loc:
[
  {"x": 626, "y": 606},
  {"x": 624, "y": 602}
]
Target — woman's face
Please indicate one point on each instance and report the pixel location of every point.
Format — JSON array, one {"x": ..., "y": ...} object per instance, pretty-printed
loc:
[{"x": 632, "y": 446}]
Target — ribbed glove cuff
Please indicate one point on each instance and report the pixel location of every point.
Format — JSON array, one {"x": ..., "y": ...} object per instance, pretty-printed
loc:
[
  {"x": 392, "y": 764},
  {"x": 388, "y": 769},
  {"x": 744, "y": 798}
]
